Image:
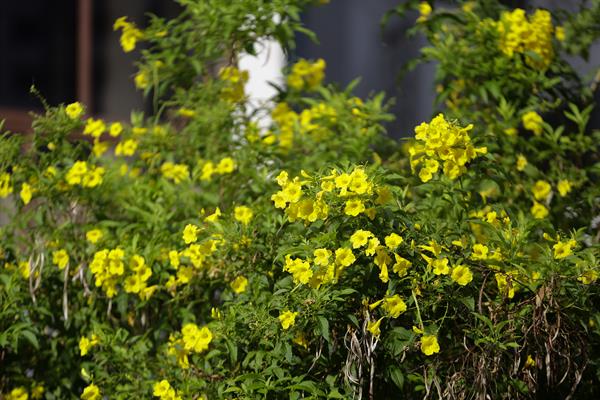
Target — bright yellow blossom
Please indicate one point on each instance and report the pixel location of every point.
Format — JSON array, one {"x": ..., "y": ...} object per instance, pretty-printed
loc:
[
  {"x": 394, "y": 306},
  {"x": 190, "y": 233},
  {"x": 429, "y": 345},
  {"x": 93, "y": 235},
  {"x": 60, "y": 258},
  {"x": 564, "y": 249},
  {"x": 541, "y": 190},
  {"x": 239, "y": 284},
  {"x": 287, "y": 319},
  {"x": 393, "y": 240},
  {"x": 74, "y": 110},
  {"x": 243, "y": 214},
  {"x": 462, "y": 275},
  {"x": 564, "y": 187},
  {"x": 533, "y": 122},
  {"x": 91, "y": 392},
  {"x": 360, "y": 238},
  {"x": 539, "y": 211}
]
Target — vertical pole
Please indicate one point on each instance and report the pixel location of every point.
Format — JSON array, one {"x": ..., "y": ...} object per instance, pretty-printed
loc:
[{"x": 84, "y": 52}]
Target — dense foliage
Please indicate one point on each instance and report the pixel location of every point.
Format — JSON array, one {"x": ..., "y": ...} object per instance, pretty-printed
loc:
[{"x": 221, "y": 250}]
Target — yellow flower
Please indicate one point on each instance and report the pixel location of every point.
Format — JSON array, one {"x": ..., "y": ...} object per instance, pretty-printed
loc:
[
  {"x": 541, "y": 190},
  {"x": 37, "y": 392},
  {"x": 299, "y": 269},
  {"x": 74, "y": 110},
  {"x": 588, "y": 277},
  {"x": 393, "y": 240},
  {"x": 94, "y": 127},
  {"x": 480, "y": 252},
  {"x": 243, "y": 214},
  {"x": 539, "y": 211},
  {"x": 306, "y": 75},
  {"x": 226, "y": 166},
  {"x": 214, "y": 216},
  {"x": 429, "y": 345},
  {"x": 401, "y": 266},
  {"x": 86, "y": 344},
  {"x": 521, "y": 162},
  {"x": 18, "y": 393},
  {"x": 559, "y": 32},
  {"x": 126, "y": 148},
  {"x": 564, "y": 249},
  {"x": 424, "y": 11},
  {"x": 76, "y": 173},
  {"x": 533, "y": 122},
  {"x": 462, "y": 275},
  {"x": 530, "y": 362},
  {"x": 440, "y": 266},
  {"x": 287, "y": 319},
  {"x": 239, "y": 284},
  {"x": 129, "y": 34},
  {"x": 374, "y": 327},
  {"x": 354, "y": 207},
  {"x": 394, "y": 306},
  {"x": 26, "y": 193},
  {"x": 94, "y": 235},
  {"x": 141, "y": 79},
  {"x": 60, "y": 258},
  {"x": 195, "y": 339},
  {"x": 505, "y": 284},
  {"x": 161, "y": 388},
  {"x": 190, "y": 233},
  {"x": 564, "y": 187},
  {"x": 322, "y": 257},
  {"x": 360, "y": 238},
  {"x": 344, "y": 257},
  {"x": 91, "y": 392},
  {"x": 174, "y": 258},
  {"x": 115, "y": 129}
]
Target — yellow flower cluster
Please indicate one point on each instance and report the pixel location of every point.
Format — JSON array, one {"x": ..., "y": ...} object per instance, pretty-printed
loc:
[
  {"x": 20, "y": 393},
  {"x": 175, "y": 172},
  {"x": 541, "y": 191},
  {"x": 225, "y": 166},
  {"x": 353, "y": 186},
  {"x": 235, "y": 80},
  {"x": 290, "y": 198},
  {"x": 126, "y": 148},
  {"x": 441, "y": 141},
  {"x": 286, "y": 119},
  {"x": 108, "y": 268},
  {"x": 81, "y": 174},
  {"x": 94, "y": 127},
  {"x": 192, "y": 340},
  {"x": 164, "y": 391},
  {"x": 130, "y": 34},
  {"x": 518, "y": 34},
  {"x": 306, "y": 75},
  {"x": 311, "y": 120}
]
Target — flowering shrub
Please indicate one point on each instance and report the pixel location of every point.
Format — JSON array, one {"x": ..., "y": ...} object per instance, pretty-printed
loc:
[{"x": 293, "y": 251}]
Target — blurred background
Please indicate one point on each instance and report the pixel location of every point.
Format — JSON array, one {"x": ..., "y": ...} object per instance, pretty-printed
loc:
[{"x": 68, "y": 50}]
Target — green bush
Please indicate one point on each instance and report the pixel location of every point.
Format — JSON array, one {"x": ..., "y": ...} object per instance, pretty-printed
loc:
[{"x": 210, "y": 250}]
